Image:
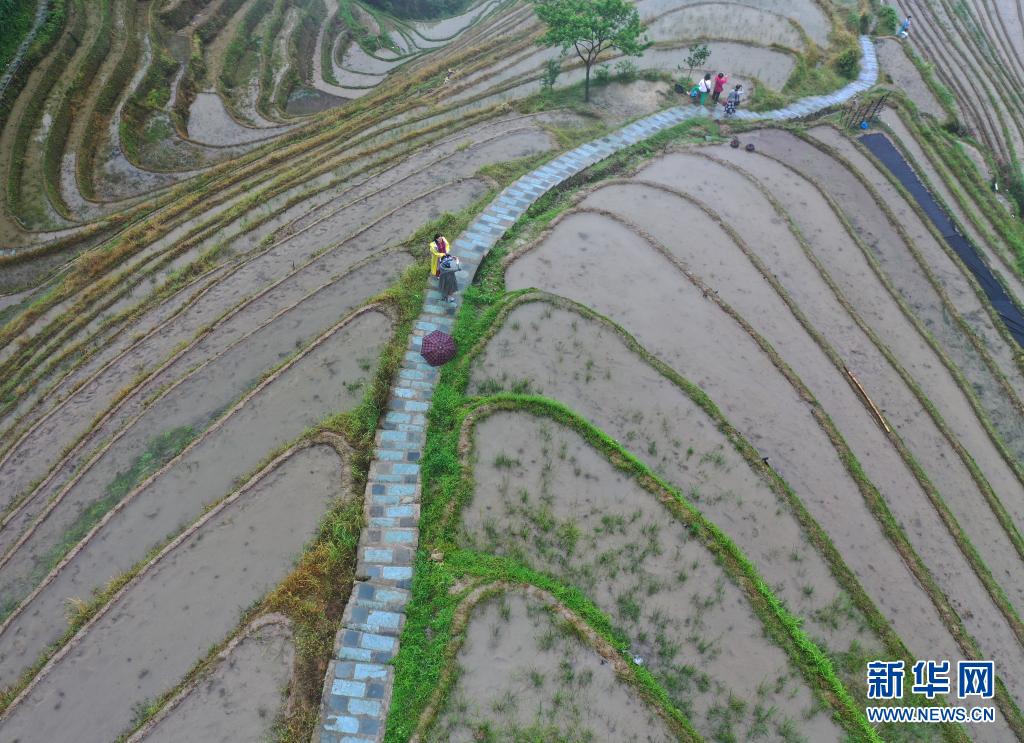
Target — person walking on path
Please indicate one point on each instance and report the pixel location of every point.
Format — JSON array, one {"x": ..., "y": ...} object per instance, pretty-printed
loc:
[
  {"x": 438, "y": 248},
  {"x": 720, "y": 82},
  {"x": 904, "y": 29},
  {"x": 447, "y": 284},
  {"x": 705, "y": 88},
  {"x": 735, "y": 96}
]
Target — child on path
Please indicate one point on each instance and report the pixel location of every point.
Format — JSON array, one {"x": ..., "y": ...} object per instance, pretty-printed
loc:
[
  {"x": 735, "y": 96},
  {"x": 438, "y": 248},
  {"x": 705, "y": 88},
  {"x": 720, "y": 83}
]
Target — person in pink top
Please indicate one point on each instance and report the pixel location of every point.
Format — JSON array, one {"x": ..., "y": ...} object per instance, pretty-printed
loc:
[{"x": 720, "y": 83}]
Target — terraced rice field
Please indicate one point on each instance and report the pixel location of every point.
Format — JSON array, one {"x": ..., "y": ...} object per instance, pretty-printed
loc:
[{"x": 723, "y": 425}]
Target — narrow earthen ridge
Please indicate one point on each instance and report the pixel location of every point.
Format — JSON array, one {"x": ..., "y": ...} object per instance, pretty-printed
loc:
[
  {"x": 42, "y": 9},
  {"x": 357, "y": 690}
]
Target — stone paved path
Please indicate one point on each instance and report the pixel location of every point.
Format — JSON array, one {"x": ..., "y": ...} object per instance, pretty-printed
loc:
[{"x": 357, "y": 689}]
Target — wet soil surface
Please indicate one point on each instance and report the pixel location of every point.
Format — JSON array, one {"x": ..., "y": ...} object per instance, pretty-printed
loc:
[
  {"x": 905, "y": 76},
  {"x": 910, "y": 279},
  {"x": 587, "y": 366},
  {"x": 381, "y": 210},
  {"x": 952, "y": 276},
  {"x": 239, "y": 698},
  {"x": 545, "y": 497},
  {"x": 515, "y": 661},
  {"x": 277, "y": 413},
  {"x": 145, "y": 641},
  {"x": 807, "y": 13},
  {"x": 210, "y": 123},
  {"x": 997, "y": 259},
  {"x": 733, "y": 20},
  {"x": 195, "y": 398},
  {"x": 579, "y": 260},
  {"x": 733, "y": 276}
]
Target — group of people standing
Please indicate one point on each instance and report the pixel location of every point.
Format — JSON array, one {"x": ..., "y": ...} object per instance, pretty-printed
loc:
[{"x": 715, "y": 88}]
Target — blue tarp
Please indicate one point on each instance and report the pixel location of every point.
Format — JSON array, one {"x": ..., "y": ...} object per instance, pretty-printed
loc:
[{"x": 889, "y": 156}]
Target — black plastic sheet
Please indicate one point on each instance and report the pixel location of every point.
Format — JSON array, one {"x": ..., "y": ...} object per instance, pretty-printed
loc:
[{"x": 889, "y": 156}]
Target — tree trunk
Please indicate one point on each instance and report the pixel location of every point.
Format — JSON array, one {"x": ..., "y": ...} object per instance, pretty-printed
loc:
[{"x": 586, "y": 85}]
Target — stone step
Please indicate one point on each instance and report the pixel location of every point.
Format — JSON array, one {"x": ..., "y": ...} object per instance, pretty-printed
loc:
[
  {"x": 373, "y": 621},
  {"x": 385, "y": 564},
  {"x": 389, "y": 517},
  {"x": 366, "y": 647},
  {"x": 404, "y": 440},
  {"x": 376, "y": 595},
  {"x": 394, "y": 493},
  {"x": 355, "y": 701},
  {"x": 388, "y": 538}
]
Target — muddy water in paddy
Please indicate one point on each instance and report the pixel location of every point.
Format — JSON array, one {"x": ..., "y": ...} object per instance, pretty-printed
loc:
[
  {"x": 431, "y": 205},
  {"x": 359, "y": 62},
  {"x": 210, "y": 123},
  {"x": 1003, "y": 266},
  {"x": 906, "y": 77},
  {"x": 617, "y": 543},
  {"x": 807, "y": 13},
  {"x": 196, "y": 401},
  {"x": 739, "y": 22},
  {"x": 954, "y": 281},
  {"x": 514, "y": 659},
  {"x": 443, "y": 30},
  {"x": 734, "y": 277},
  {"x": 145, "y": 641},
  {"x": 31, "y": 462},
  {"x": 1008, "y": 13},
  {"x": 392, "y": 228},
  {"x": 425, "y": 174},
  {"x": 909, "y": 279},
  {"x": 51, "y": 387},
  {"x": 239, "y": 699},
  {"x": 744, "y": 207},
  {"x": 101, "y": 345},
  {"x": 846, "y": 265},
  {"x": 310, "y": 389},
  {"x": 587, "y": 366},
  {"x": 579, "y": 260}
]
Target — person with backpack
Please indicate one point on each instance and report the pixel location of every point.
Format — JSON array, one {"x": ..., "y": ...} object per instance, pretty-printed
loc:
[
  {"x": 438, "y": 248},
  {"x": 448, "y": 265},
  {"x": 705, "y": 87},
  {"x": 720, "y": 82},
  {"x": 735, "y": 96}
]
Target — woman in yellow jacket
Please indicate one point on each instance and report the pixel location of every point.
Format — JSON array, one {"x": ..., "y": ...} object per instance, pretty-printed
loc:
[{"x": 437, "y": 248}]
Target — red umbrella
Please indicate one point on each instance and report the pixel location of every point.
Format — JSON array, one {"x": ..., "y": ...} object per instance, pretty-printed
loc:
[{"x": 438, "y": 348}]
